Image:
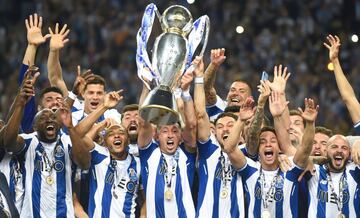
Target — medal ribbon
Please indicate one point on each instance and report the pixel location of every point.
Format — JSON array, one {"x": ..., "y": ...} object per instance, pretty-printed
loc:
[
  {"x": 122, "y": 182},
  {"x": 339, "y": 199},
  {"x": 225, "y": 170},
  {"x": 169, "y": 173},
  {"x": 265, "y": 197}
]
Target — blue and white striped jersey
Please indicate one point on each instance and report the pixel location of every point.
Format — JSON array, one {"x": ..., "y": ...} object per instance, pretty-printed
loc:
[
  {"x": 153, "y": 178},
  {"x": 214, "y": 110},
  {"x": 284, "y": 202},
  {"x": 210, "y": 201},
  {"x": 48, "y": 193},
  {"x": 323, "y": 201},
  {"x": 13, "y": 169},
  {"x": 114, "y": 184}
]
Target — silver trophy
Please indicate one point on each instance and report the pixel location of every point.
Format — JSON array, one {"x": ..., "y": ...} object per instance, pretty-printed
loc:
[{"x": 170, "y": 55}]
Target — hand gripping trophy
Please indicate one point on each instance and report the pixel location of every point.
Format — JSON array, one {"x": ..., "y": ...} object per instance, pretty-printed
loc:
[{"x": 172, "y": 55}]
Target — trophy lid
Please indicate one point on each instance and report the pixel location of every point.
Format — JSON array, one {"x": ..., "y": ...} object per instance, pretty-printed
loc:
[{"x": 177, "y": 19}]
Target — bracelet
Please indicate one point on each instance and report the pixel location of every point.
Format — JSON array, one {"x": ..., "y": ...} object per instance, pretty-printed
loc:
[
  {"x": 186, "y": 96},
  {"x": 177, "y": 93},
  {"x": 71, "y": 95},
  {"x": 199, "y": 80}
]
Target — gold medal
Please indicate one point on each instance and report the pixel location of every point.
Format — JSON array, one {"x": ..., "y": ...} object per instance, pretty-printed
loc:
[
  {"x": 168, "y": 195},
  {"x": 224, "y": 194},
  {"x": 265, "y": 214},
  {"x": 341, "y": 215},
  {"x": 49, "y": 180}
]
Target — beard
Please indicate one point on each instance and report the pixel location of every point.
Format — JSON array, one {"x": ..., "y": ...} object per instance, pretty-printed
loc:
[
  {"x": 336, "y": 168},
  {"x": 43, "y": 137}
]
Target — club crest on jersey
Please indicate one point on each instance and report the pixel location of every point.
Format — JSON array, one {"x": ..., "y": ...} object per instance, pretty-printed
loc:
[
  {"x": 279, "y": 182},
  {"x": 59, "y": 166},
  {"x": 132, "y": 174},
  {"x": 278, "y": 196},
  {"x": 59, "y": 151},
  {"x": 130, "y": 186}
]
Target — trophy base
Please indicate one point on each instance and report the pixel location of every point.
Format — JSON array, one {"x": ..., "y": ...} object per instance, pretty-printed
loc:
[{"x": 159, "y": 107}]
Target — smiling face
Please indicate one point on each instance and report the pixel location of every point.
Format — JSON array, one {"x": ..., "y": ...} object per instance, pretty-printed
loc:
[
  {"x": 169, "y": 138},
  {"x": 268, "y": 150},
  {"x": 223, "y": 127},
  {"x": 237, "y": 94},
  {"x": 319, "y": 144},
  {"x": 131, "y": 124},
  {"x": 296, "y": 130},
  {"x": 50, "y": 100},
  {"x": 47, "y": 125},
  {"x": 93, "y": 97},
  {"x": 338, "y": 152},
  {"x": 116, "y": 140}
]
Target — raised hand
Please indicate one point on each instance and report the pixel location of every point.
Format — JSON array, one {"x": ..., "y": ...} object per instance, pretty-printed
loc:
[
  {"x": 310, "y": 112},
  {"x": 186, "y": 80},
  {"x": 198, "y": 63},
  {"x": 112, "y": 99},
  {"x": 333, "y": 47},
  {"x": 58, "y": 39},
  {"x": 80, "y": 80},
  {"x": 217, "y": 56},
  {"x": 33, "y": 27},
  {"x": 280, "y": 79},
  {"x": 276, "y": 106},
  {"x": 247, "y": 110},
  {"x": 265, "y": 91},
  {"x": 27, "y": 87},
  {"x": 64, "y": 114}
]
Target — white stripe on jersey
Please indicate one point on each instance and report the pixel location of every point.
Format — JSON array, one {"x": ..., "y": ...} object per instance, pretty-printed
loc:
[
  {"x": 19, "y": 186},
  {"x": 77, "y": 116},
  {"x": 155, "y": 187},
  {"x": 48, "y": 193},
  {"x": 100, "y": 164},
  {"x": 210, "y": 178},
  {"x": 322, "y": 202},
  {"x": 214, "y": 110},
  {"x": 285, "y": 201}
]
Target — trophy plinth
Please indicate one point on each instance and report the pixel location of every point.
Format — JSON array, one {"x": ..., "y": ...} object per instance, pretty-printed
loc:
[{"x": 159, "y": 107}]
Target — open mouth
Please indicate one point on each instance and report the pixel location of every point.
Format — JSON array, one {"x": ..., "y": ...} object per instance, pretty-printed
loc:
[
  {"x": 234, "y": 100},
  {"x": 317, "y": 153},
  {"x": 94, "y": 104},
  {"x": 225, "y": 137},
  {"x": 268, "y": 153},
  {"x": 132, "y": 128},
  {"x": 170, "y": 143},
  {"x": 50, "y": 129},
  {"x": 338, "y": 159},
  {"x": 117, "y": 142}
]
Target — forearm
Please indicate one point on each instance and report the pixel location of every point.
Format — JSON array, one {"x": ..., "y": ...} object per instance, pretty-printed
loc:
[
  {"x": 283, "y": 136},
  {"x": 144, "y": 92},
  {"x": 203, "y": 122},
  {"x": 80, "y": 152},
  {"x": 55, "y": 71},
  {"x": 189, "y": 133},
  {"x": 303, "y": 152},
  {"x": 30, "y": 53},
  {"x": 11, "y": 129},
  {"x": 84, "y": 126},
  {"x": 232, "y": 141},
  {"x": 145, "y": 134},
  {"x": 347, "y": 92},
  {"x": 252, "y": 143},
  {"x": 209, "y": 84}
]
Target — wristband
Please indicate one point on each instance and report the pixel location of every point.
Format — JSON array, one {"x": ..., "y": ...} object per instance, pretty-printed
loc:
[
  {"x": 177, "y": 93},
  {"x": 199, "y": 80},
  {"x": 71, "y": 95},
  {"x": 186, "y": 95}
]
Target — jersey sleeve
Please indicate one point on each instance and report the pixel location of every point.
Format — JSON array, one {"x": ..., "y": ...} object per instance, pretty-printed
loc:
[
  {"x": 249, "y": 169},
  {"x": 206, "y": 149},
  {"x": 145, "y": 153},
  {"x": 98, "y": 154},
  {"x": 214, "y": 110},
  {"x": 294, "y": 173}
]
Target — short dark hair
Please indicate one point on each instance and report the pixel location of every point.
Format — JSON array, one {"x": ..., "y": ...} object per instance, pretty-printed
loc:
[
  {"x": 129, "y": 107},
  {"x": 96, "y": 79},
  {"x": 294, "y": 112},
  {"x": 232, "y": 109},
  {"x": 50, "y": 89},
  {"x": 243, "y": 81},
  {"x": 268, "y": 129},
  {"x": 225, "y": 114},
  {"x": 323, "y": 130}
]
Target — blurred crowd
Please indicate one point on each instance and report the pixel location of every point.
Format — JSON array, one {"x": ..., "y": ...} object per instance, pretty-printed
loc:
[{"x": 103, "y": 38}]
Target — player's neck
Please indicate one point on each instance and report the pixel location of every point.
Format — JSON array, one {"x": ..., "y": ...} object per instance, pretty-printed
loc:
[
  {"x": 120, "y": 156},
  {"x": 270, "y": 167}
]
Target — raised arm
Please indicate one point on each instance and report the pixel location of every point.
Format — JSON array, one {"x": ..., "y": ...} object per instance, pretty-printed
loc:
[
  {"x": 236, "y": 156},
  {"x": 252, "y": 143},
  {"x": 346, "y": 91},
  {"x": 203, "y": 122},
  {"x": 111, "y": 100},
  {"x": 277, "y": 109},
  {"x": 57, "y": 42},
  {"x": 217, "y": 57},
  {"x": 309, "y": 115},
  {"x": 189, "y": 131},
  {"x": 80, "y": 147},
  {"x": 9, "y": 133}
]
